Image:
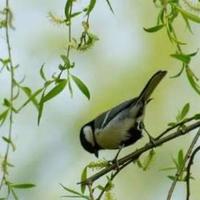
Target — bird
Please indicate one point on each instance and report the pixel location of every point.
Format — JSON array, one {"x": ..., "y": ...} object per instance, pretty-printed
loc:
[{"x": 121, "y": 125}]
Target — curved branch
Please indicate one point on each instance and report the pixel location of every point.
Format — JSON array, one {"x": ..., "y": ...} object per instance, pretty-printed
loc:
[
  {"x": 137, "y": 153},
  {"x": 188, "y": 169},
  {"x": 182, "y": 168}
]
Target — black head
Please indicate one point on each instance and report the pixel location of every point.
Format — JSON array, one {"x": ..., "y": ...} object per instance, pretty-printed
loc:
[{"x": 87, "y": 138}]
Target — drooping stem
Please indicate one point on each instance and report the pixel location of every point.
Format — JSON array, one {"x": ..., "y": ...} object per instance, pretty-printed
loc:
[{"x": 11, "y": 68}]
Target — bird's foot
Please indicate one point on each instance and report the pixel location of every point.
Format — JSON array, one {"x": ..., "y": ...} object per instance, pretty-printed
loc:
[
  {"x": 152, "y": 140},
  {"x": 114, "y": 162}
]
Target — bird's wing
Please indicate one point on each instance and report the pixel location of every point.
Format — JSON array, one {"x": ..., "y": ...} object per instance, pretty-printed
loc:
[{"x": 103, "y": 119}]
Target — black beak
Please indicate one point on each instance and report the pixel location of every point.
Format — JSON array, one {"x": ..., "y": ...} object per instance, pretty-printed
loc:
[{"x": 96, "y": 153}]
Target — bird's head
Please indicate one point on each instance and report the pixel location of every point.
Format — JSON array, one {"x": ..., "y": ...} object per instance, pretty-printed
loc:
[{"x": 87, "y": 139}]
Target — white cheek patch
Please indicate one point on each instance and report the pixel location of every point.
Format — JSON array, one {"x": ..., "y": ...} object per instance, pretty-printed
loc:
[{"x": 88, "y": 135}]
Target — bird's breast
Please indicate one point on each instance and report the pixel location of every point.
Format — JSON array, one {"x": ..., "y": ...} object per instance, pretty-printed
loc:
[{"x": 111, "y": 136}]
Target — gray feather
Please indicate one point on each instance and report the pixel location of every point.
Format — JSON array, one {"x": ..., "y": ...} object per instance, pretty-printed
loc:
[{"x": 102, "y": 120}]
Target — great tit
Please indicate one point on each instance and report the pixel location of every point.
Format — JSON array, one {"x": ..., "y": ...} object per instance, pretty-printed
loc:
[{"x": 120, "y": 126}]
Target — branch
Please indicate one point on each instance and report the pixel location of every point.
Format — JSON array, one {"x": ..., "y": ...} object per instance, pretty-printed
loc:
[
  {"x": 188, "y": 169},
  {"x": 182, "y": 168},
  {"x": 183, "y": 122},
  {"x": 137, "y": 153},
  {"x": 11, "y": 68}
]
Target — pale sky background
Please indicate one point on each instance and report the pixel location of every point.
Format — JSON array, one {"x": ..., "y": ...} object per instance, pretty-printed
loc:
[{"x": 115, "y": 69}]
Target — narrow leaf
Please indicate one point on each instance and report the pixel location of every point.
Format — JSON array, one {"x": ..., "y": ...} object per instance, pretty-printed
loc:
[
  {"x": 182, "y": 57},
  {"x": 9, "y": 141},
  {"x": 189, "y": 15},
  {"x": 41, "y": 106},
  {"x": 197, "y": 116},
  {"x": 148, "y": 160},
  {"x": 42, "y": 73},
  {"x": 154, "y": 28},
  {"x": 168, "y": 168},
  {"x": 171, "y": 177},
  {"x": 185, "y": 110},
  {"x": 32, "y": 98},
  {"x": 110, "y": 6},
  {"x": 67, "y": 8},
  {"x": 81, "y": 86},
  {"x": 91, "y": 6},
  {"x": 83, "y": 178},
  {"x": 23, "y": 186},
  {"x": 76, "y": 14},
  {"x": 180, "y": 158},
  {"x": 192, "y": 80},
  {"x": 70, "y": 190},
  {"x": 3, "y": 116},
  {"x": 55, "y": 91}
]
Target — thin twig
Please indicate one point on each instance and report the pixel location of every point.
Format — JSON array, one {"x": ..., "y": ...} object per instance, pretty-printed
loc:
[
  {"x": 111, "y": 179},
  {"x": 182, "y": 168},
  {"x": 176, "y": 126},
  {"x": 5, "y": 161},
  {"x": 137, "y": 153},
  {"x": 69, "y": 37},
  {"x": 91, "y": 191},
  {"x": 188, "y": 170}
]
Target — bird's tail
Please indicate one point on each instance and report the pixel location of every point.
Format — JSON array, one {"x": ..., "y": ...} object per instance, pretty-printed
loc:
[{"x": 151, "y": 85}]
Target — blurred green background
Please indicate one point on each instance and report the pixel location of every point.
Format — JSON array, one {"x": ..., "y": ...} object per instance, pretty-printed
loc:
[{"x": 115, "y": 69}]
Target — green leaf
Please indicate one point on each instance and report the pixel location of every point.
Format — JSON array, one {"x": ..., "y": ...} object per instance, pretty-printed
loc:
[
  {"x": 3, "y": 116},
  {"x": 180, "y": 158},
  {"x": 55, "y": 91},
  {"x": 110, "y": 6},
  {"x": 41, "y": 106},
  {"x": 188, "y": 15},
  {"x": 70, "y": 190},
  {"x": 75, "y": 14},
  {"x": 23, "y": 186},
  {"x": 175, "y": 162},
  {"x": 68, "y": 5},
  {"x": 179, "y": 73},
  {"x": 83, "y": 178},
  {"x": 194, "y": 53},
  {"x": 7, "y": 103},
  {"x": 197, "y": 116},
  {"x": 171, "y": 177},
  {"x": 70, "y": 86},
  {"x": 9, "y": 141},
  {"x": 81, "y": 86},
  {"x": 139, "y": 164},
  {"x": 66, "y": 61},
  {"x": 31, "y": 98},
  {"x": 187, "y": 23},
  {"x": 91, "y": 6},
  {"x": 26, "y": 90},
  {"x": 192, "y": 80},
  {"x": 185, "y": 111},
  {"x": 154, "y": 28},
  {"x": 42, "y": 73},
  {"x": 100, "y": 187},
  {"x": 171, "y": 124},
  {"x": 182, "y": 57},
  {"x": 148, "y": 159},
  {"x": 168, "y": 168},
  {"x": 74, "y": 196}
]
